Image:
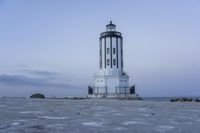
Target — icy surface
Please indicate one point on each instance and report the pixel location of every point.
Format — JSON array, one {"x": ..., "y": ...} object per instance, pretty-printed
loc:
[{"x": 96, "y": 116}]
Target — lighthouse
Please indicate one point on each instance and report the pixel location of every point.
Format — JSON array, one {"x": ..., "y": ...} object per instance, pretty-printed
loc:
[{"x": 112, "y": 80}]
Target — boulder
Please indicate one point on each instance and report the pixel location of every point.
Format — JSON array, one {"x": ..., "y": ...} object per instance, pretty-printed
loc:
[
  {"x": 37, "y": 95},
  {"x": 197, "y": 100},
  {"x": 184, "y": 99}
]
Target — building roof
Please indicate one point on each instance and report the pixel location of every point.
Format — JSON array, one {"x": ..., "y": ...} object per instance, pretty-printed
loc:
[{"x": 111, "y": 24}]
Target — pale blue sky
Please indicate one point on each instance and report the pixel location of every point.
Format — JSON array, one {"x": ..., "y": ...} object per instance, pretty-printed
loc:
[{"x": 51, "y": 46}]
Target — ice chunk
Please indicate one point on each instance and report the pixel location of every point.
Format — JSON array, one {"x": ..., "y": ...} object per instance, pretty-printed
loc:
[
  {"x": 16, "y": 123},
  {"x": 30, "y": 112},
  {"x": 133, "y": 122},
  {"x": 93, "y": 124},
  {"x": 163, "y": 128},
  {"x": 53, "y": 117}
]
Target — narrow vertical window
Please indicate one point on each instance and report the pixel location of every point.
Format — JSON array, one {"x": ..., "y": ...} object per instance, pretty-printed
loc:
[
  {"x": 108, "y": 62},
  {"x": 100, "y": 55},
  {"x": 114, "y": 62},
  {"x": 105, "y": 52},
  {"x": 108, "y": 50},
  {"x": 113, "y": 50},
  {"x": 117, "y": 52}
]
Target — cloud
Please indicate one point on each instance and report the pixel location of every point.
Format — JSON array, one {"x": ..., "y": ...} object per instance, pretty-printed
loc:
[
  {"x": 39, "y": 73},
  {"x": 21, "y": 80},
  {"x": 21, "y": 85},
  {"x": 43, "y": 73}
]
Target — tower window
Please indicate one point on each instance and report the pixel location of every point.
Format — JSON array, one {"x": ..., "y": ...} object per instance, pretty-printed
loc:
[
  {"x": 114, "y": 61},
  {"x": 113, "y": 50},
  {"x": 108, "y": 62},
  {"x": 108, "y": 50}
]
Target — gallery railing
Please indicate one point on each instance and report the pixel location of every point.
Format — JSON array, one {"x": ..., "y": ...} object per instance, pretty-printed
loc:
[{"x": 118, "y": 90}]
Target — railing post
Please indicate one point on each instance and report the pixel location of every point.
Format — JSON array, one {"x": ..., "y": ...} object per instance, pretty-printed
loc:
[{"x": 106, "y": 91}]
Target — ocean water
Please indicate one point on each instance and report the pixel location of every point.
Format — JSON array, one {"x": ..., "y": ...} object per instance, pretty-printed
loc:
[
  {"x": 24, "y": 115},
  {"x": 158, "y": 99}
]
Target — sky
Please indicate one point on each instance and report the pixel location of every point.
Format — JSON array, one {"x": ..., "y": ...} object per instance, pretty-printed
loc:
[{"x": 51, "y": 46}]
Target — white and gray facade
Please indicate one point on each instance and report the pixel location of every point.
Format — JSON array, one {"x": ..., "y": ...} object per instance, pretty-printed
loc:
[{"x": 111, "y": 81}]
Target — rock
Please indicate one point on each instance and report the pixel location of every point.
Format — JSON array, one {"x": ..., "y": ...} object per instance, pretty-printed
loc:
[
  {"x": 37, "y": 95},
  {"x": 197, "y": 100},
  {"x": 175, "y": 100},
  {"x": 75, "y": 98},
  {"x": 184, "y": 99},
  {"x": 130, "y": 98}
]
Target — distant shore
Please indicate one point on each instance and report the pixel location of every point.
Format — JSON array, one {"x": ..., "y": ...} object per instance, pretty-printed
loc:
[{"x": 167, "y": 99}]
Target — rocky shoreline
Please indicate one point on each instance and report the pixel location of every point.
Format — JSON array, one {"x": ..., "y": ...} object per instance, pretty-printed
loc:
[{"x": 184, "y": 99}]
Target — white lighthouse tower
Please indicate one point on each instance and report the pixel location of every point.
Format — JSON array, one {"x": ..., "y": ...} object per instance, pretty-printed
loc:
[{"x": 112, "y": 81}]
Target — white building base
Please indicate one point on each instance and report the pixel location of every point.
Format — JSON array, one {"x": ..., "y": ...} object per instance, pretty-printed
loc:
[{"x": 116, "y": 96}]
